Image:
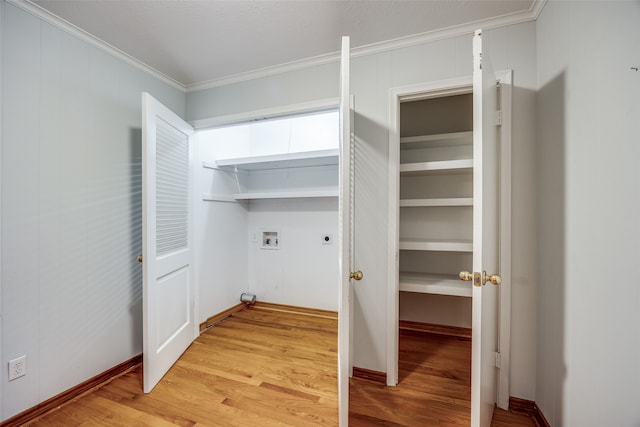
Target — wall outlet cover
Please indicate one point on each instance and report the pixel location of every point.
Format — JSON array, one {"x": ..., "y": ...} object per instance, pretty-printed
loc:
[{"x": 17, "y": 368}]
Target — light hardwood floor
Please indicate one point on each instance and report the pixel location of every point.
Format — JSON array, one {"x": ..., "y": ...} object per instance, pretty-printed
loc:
[
  {"x": 434, "y": 387},
  {"x": 264, "y": 367}
]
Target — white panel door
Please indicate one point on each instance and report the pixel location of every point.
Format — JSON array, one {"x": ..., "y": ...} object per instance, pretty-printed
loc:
[
  {"x": 345, "y": 230},
  {"x": 485, "y": 237},
  {"x": 168, "y": 286}
]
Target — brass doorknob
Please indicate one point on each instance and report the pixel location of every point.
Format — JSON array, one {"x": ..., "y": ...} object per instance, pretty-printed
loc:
[
  {"x": 480, "y": 279},
  {"x": 356, "y": 275},
  {"x": 139, "y": 258},
  {"x": 465, "y": 275},
  {"x": 493, "y": 278}
]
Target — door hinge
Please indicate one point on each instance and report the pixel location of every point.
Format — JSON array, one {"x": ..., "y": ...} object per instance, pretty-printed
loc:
[
  {"x": 499, "y": 117},
  {"x": 498, "y": 360}
]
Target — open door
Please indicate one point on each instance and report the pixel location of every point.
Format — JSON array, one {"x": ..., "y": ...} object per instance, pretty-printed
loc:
[
  {"x": 167, "y": 232},
  {"x": 345, "y": 230},
  {"x": 485, "y": 238},
  {"x": 487, "y": 226}
]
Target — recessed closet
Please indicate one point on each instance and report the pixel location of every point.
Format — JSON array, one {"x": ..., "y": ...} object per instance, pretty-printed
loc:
[
  {"x": 449, "y": 220},
  {"x": 273, "y": 185},
  {"x": 436, "y": 209}
]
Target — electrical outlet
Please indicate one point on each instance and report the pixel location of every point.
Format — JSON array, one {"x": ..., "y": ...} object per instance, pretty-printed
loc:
[{"x": 17, "y": 368}]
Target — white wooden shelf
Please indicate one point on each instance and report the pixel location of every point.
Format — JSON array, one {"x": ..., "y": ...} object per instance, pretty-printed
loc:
[
  {"x": 299, "y": 194},
  {"x": 439, "y": 167},
  {"x": 440, "y": 284},
  {"x": 208, "y": 197},
  {"x": 417, "y": 203},
  {"x": 436, "y": 140},
  {"x": 281, "y": 161},
  {"x": 436, "y": 245},
  {"x": 210, "y": 165}
]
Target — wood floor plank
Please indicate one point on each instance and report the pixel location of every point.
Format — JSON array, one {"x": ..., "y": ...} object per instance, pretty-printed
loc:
[
  {"x": 503, "y": 418},
  {"x": 275, "y": 367},
  {"x": 434, "y": 387}
]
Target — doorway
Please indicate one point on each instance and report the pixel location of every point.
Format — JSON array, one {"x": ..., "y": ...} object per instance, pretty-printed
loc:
[{"x": 432, "y": 181}]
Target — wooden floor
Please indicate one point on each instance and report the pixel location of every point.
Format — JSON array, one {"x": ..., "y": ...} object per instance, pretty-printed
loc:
[
  {"x": 434, "y": 387},
  {"x": 273, "y": 368}
]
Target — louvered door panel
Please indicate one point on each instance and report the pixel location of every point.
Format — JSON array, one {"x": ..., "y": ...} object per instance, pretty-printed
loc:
[{"x": 172, "y": 189}]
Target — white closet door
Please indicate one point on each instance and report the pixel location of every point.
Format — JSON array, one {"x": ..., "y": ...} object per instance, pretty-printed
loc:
[
  {"x": 485, "y": 237},
  {"x": 167, "y": 208},
  {"x": 345, "y": 238}
]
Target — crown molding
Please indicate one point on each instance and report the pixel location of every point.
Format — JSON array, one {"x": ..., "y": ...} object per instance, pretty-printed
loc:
[
  {"x": 94, "y": 41},
  {"x": 458, "y": 30},
  {"x": 265, "y": 72},
  {"x": 537, "y": 7},
  {"x": 454, "y": 31}
]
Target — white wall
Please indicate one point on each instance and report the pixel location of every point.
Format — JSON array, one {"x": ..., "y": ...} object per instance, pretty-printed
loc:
[
  {"x": 221, "y": 248},
  {"x": 221, "y": 243},
  {"x": 71, "y": 208},
  {"x": 302, "y": 272},
  {"x": 589, "y": 205},
  {"x": 438, "y": 309},
  {"x": 372, "y": 76}
]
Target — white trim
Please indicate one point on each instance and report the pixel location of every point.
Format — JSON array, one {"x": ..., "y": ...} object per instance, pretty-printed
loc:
[
  {"x": 500, "y": 21},
  {"x": 2, "y": 26},
  {"x": 504, "y": 322},
  {"x": 537, "y": 7},
  {"x": 404, "y": 93},
  {"x": 422, "y": 91},
  {"x": 393, "y": 238},
  {"x": 266, "y": 114},
  {"x": 94, "y": 41},
  {"x": 352, "y": 216},
  {"x": 313, "y": 61},
  {"x": 453, "y": 31},
  {"x": 457, "y": 30}
]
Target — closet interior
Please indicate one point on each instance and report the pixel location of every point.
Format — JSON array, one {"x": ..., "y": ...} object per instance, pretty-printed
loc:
[
  {"x": 269, "y": 211},
  {"x": 436, "y": 209}
]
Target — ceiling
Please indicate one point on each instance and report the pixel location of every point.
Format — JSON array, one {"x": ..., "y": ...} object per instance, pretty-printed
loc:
[{"x": 198, "y": 41}]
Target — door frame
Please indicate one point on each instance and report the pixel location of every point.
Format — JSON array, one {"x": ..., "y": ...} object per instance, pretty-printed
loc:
[{"x": 426, "y": 90}]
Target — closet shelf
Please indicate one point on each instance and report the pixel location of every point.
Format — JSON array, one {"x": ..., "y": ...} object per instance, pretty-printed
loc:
[
  {"x": 438, "y": 167},
  {"x": 459, "y": 201},
  {"x": 208, "y": 197},
  {"x": 436, "y": 140},
  {"x": 298, "y": 194},
  {"x": 281, "y": 161},
  {"x": 429, "y": 283},
  {"x": 436, "y": 245}
]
